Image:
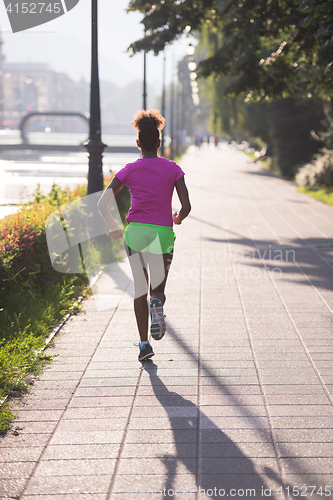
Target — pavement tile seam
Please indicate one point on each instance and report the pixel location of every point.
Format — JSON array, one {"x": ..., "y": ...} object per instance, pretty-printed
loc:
[
  {"x": 286, "y": 220},
  {"x": 32, "y": 476},
  {"x": 258, "y": 378},
  {"x": 316, "y": 371},
  {"x": 60, "y": 496},
  {"x": 306, "y": 350},
  {"x": 257, "y": 364},
  {"x": 271, "y": 390}
]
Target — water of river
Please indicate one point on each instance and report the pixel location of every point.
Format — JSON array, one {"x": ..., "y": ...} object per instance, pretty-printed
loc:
[
  {"x": 14, "y": 137},
  {"x": 19, "y": 178}
]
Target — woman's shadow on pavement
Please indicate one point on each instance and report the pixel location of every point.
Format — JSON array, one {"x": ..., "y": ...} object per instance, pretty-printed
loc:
[{"x": 209, "y": 455}]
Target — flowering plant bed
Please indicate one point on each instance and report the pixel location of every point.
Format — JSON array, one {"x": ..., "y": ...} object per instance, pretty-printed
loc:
[{"x": 33, "y": 296}]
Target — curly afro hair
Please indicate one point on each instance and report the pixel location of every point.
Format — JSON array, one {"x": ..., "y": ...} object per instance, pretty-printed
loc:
[{"x": 148, "y": 125}]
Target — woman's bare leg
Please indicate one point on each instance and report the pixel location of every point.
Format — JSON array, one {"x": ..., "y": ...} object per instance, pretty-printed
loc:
[
  {"x": 141, "y": 314},
  {"x": 158, "y": 292},
  {"x": 140, "y": 278}
]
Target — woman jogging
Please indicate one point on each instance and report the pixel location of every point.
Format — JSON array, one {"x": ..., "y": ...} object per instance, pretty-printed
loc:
[{"x": 149, "y": 237}]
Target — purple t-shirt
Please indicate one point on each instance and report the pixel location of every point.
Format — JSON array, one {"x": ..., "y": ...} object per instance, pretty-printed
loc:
[{"x": 151, "y": 182}]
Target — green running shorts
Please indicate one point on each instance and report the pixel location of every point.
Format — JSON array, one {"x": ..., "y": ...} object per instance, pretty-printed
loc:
[{"x": 151, "y": 238}]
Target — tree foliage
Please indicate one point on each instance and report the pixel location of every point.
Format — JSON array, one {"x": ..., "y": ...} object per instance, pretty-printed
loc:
[
  {"x": 287, "y": 126},
  {"x": 269, "y": 48}
]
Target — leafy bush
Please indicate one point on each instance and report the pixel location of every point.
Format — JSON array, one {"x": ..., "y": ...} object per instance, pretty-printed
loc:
[
  {"x": 319, "y": 173},
  {"x": 33, "y": 296}
]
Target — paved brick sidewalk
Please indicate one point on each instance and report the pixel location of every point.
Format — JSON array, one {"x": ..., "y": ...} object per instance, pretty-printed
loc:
[{"x": 239, "y": 394}]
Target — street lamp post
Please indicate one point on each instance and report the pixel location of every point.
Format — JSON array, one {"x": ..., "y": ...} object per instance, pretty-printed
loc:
[
  {"x": 163, "y": 107},
  {"x": 190, "y": 50},
  {"x": 94, "y": 144},
  {"x": 177, "y": 108},
  {"x": 192, "y": 67},
  {"x": 172, "y": 119},
  {"x": 2, "y": 99},
  {"x": 144, "y": 80},
  {"x": 172, "y": 108},
  {"x": 182, "y": 115}
]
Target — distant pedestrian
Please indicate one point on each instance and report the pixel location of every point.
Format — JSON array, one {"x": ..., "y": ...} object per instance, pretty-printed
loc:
[
  {"x": 216, "y": 140},
  {"x": 198, "y": 139},
  {"x": 149, "y": 237}
]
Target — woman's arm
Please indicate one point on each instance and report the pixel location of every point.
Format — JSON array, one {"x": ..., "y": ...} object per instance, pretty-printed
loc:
[
  {"x": 184, "y": 200},
  {"x": 115, "y": 185}
]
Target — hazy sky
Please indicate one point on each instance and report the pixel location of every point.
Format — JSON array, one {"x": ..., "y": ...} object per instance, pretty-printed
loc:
[{"x": 65, "y": 44}]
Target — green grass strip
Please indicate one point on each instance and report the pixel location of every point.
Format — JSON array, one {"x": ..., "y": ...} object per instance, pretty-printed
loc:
[
  {"x": 34, "y": 297},
  {"x": 323, "y": 195}
]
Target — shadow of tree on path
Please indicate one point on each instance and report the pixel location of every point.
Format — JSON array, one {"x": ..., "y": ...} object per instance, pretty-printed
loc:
[{"x": 315, "y": 258}]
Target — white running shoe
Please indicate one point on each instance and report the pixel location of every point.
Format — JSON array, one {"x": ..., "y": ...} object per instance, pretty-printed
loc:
[{"x": 157, "y": 327}]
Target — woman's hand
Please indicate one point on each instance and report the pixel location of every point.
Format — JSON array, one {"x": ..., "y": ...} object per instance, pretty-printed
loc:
[
  {"x": 176, "y": 218},
  {"x": 115, "y": 234}
]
